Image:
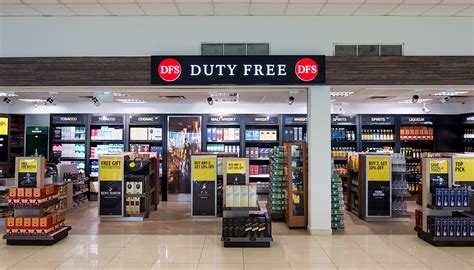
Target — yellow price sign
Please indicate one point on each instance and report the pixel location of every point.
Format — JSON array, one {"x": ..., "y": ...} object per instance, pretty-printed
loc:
[
  {"x": 378, "y": 169},
  {"x": 28, "y": 166},
  {"x": 439, "y": 167},
  {"x": 3, "y": 126},
  {"x": 111, "y": 169},
  {"x": 204, "y": 168},
  {"x": 236, "y": 166},
  {"x": 463, "y": 169}
]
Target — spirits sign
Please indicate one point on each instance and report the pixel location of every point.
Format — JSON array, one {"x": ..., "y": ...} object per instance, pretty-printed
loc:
[{"x": 343, "y": 119}]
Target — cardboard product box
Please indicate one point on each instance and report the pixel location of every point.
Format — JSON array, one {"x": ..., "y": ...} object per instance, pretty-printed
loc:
[
  {"x": 444, "y": 227},
  {"x": 459, "y": 197},
  {"x": 262, "y": 135},
  {"x": 252, "y": 195},
  {"x": 12, "y": 193},
  {"x": 445, "y": 197},
  {"x": 46, "y": 224},
  {"x": 138, "y": 188},
  {"x": 20, "y": 193},
  {"x": 130, "y": 188},
  {"x": 229, "y": 196},
  {"x": 27, "y": 225},
  {"x": 137, "y": 205},
  {"x": 237, "y": 196},
  {"x": 465, "y": 198},
  {"x": 273, "y": 135},
  {"x": 451, "y": 227},
  {"x": 465, "y": 227},
  {"x": 458, "y": 227},
  {"x": 452, "y": 197},
  {"x": 244, "y": 196}
]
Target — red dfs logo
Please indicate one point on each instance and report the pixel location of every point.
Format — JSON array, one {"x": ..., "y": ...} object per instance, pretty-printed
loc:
[
  {"x": 169, "y": 69},
  {"x": 306, "y": 69}
]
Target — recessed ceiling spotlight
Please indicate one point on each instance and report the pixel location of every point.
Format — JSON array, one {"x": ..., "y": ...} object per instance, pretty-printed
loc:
[
  {"x": 210, "y": 100},
  {"x": 341, "y": 94},
  {"x": 131, "y": 101},
  {"x": 420, "y": 100},
  {"x": 415, "y": 99},
  {"x": 449, "y": 93},
  {"x": 291, "y": 100},
  {"x": 96, "y": 101}
]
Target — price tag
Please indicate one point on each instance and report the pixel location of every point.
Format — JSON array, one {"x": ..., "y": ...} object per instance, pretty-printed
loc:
[
  {"x": 463, "y": 169},
  {"x": 378, "y": 169},
  {"x": 204, "y": 169}
]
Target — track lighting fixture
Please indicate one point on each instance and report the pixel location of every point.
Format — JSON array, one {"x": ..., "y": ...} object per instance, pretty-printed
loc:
[
  {"x": 50, "y": 101},
  {"x": 341, "y": 110},
  {"x": 210, "y": 100},
  {"x": 415, "y": 99},
  {"x": 291, "y": 100},
  {"x": 425, "y": 109},
  {"x": 8, "y": 101},
  {"x": 96, "y": 101}
]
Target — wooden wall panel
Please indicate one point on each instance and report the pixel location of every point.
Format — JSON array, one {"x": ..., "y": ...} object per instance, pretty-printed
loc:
[
  {"x": 407, "y": 70},
  {"x": 128, "y": 71}
]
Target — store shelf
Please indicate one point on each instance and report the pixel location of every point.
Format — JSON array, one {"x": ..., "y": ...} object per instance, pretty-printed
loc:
[
  {"x": 260, "y": 176},
  {"x": 416, "y": 141},
  {"x": 372, "y": 141},
  {"x": 81, "y": 192},
  {"x": 46, "y": 204},
  {"x": 340, "y": 142},
  {"x": 107, "y": 141},
  {"x": 448, "y": 208},
  {"x": 79, "y": 203},
  {"x": 340, "y": 158},
  {"x": 72, "y": 158},
  {"x": 258, "y": 141},
  {"x": 68, "y": 141},
  {"x": 263, "y": 159},
  {"x": 41, "y": 240},
  {"x": 224, "y": 142},
  {"x": 440, "y": 241},
  {"x": 145, "y": 142},
  {"x": 402, "y": 172},
  {"x": 256, "y": 208}
]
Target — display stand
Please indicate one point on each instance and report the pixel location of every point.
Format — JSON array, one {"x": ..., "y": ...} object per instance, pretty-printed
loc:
[
  {"x": 223, "y": 134},
  {"x": 296, "y": 213},
  {"x": 204, "y": 186},
  {"x": 73, "y": 187},
  {"x": 5, "y": 209},
  {"x": 439, "y": 218},
  {"x": 278, "y": 181},
  {"x": 261, "y": 135},
  {"x": 337, "y": 201},
  {"x": 36, "y": 220},
  {"x": 399, "y": 188}
]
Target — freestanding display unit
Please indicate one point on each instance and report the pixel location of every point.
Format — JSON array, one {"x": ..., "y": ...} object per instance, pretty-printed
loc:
[
  {"x": 296, "y": 212},
  {"x": 203, "y": 185}
]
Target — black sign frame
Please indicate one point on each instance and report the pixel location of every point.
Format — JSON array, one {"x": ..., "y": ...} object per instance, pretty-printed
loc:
[
  {"x": 223, "y": 119},
  {"x": 270, "y": 73},
  {"x": 416, "y": 120},
  {"x": 343, "y": 120},
  {"x": 295, "y": 120},
  {"x": 374, "y": 120},
  {"x": 258, "y": 119},
  {"x": 68, "y": 119},
  {"x": 105, "y": 119},
  {"x": 145, "y": 119}
]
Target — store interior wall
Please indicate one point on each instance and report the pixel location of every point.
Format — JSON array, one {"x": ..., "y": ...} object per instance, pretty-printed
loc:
[{"x": 183, "y": 35}]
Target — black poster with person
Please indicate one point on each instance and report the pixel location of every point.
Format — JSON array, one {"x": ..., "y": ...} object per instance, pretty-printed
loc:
[
  {"x": 204, "y": 198},
  {"x": 111, "y": 198}
]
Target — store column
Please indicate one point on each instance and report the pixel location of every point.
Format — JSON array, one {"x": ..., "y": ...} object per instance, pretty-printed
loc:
[{"x": 319, "y": 160}]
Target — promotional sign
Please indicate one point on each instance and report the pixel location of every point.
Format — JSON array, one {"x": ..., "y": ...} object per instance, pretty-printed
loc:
[
  {"x": 203, "y": 192},
  {"x": 27, "y": 172},
  {"x": 238, "y": 70},
  {"x": 111, "y": 170},
  {"x": 263, "y": 119},
  {"x": 149, "y": 119},
  {"x": 343, "y": 119},
  {"x": 224, "y": 119},
  {"x": 463, "y": 169},
  {"x": 416, "y": 120},
  {"x": 106, "y": 119},
  {"x": 378, "y": 120},
  {"x": 68, "y": 119},
  {"x": 378, "y": 186},
  {"x": 3, "y": 148},
  {"x": 295, "y": 119},
  {"x": 236, "y": 171},
  {"x": 3, "y": 125},
  {"x": 439, "y": 174}
]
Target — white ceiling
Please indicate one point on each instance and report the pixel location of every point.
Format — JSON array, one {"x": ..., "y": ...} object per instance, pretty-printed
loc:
[
  {"x": 458, "y": 8},
  {"x": 361, "y": 94}
]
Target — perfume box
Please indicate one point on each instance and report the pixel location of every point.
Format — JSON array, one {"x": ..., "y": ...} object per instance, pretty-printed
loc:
[
  {"x": 236, "y": 196},
  {"x": 244, "y": 196},
  {"x": 229, "y": 196}
]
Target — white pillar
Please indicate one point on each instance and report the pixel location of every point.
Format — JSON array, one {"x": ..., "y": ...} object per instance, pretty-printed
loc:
[{"x": 319, "y": 160}]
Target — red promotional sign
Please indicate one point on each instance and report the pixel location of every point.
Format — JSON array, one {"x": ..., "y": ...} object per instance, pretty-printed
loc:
[
  {"x": 306, "y": 69},
  {"x": 169, "y": 69}
]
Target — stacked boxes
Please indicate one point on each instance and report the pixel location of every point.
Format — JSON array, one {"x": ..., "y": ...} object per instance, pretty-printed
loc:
[
  {"x": 261, "y": 135},
  {"x": 132, "y": 205},
  {"x": 450, "y": 197},
  {"x": 337, "y": 203},
  {"x": 451, "y": 226},
  {"x": 30, "y": 225},
  {"x": 252, "y": 227},
  {"x": 223, "y": 134},
  {"x": 241, "y": 195},
  {"x": 257, "y": 152},
  {"x": 259, "y": 169},
  {"x": 32, "y": 196},
  {"x": 277, "y": 179}
]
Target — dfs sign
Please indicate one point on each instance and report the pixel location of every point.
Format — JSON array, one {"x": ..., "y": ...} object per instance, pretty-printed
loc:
[{"x": 237, "y": 70}]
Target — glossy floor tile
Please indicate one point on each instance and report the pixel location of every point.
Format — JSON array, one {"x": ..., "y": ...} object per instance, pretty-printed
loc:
[{"x": 205, "y": 252}]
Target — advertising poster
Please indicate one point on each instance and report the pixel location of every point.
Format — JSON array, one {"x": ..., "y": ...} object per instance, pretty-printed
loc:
[
  {"x": 204, "y": 176},
  {"x": 439, "y": 176},
  {"x": 27, "y": 173},
  {"x": 3, "y": 139},
  {"x": 378, "y": 186},
  {"x": 111, "y": 186},
  {"x": 463, "y": 171},
  {"x": 235, "y": 172},
  {"x": 184, "y": 139}
]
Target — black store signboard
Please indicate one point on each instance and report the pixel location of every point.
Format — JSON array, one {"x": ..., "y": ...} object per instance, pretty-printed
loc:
[
  {"x": 69, "y": 119},
  {"x": 378, "y": 120},
  {"x": 145, "y": 119},
  {"x": 295, "y": 120},
  {"x": 343, "y": 120},
  {"x": 468, "y": 119},
  {"x": 107, "y": 119},
  {"x": 238, "y": 70},
  {"x": 263, "y": 119},
  {"x": 416, "y": 120},
  {"x": 233, "y": 119}
]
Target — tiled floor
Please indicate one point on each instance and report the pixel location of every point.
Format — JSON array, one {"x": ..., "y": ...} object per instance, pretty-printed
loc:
[{"x": 205, "y": 252}]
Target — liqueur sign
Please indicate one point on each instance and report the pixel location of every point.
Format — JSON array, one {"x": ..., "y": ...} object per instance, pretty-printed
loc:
[{"x": 238, "y": 70}]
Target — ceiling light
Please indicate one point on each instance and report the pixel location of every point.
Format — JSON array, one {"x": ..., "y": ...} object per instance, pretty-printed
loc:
[
  {"x": 420, "y": 100},
  {"x": 50, "y": 101},
  {"x": 449, "y": 93},
  {"x": 291, "y": 100},
  {"x": 96, "y": 101},
  {"x": 444, "y": 99},
  {"x": 341, "y": 94},
  {"x": 8, "y": 101},
  {"x": 131, "y": 101},
  {"x": 8, "y": 94},
  {"x": 415, "y": 99},
  {"x": 210, "y": 100},
  {"x": 33, "y": 100}
]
